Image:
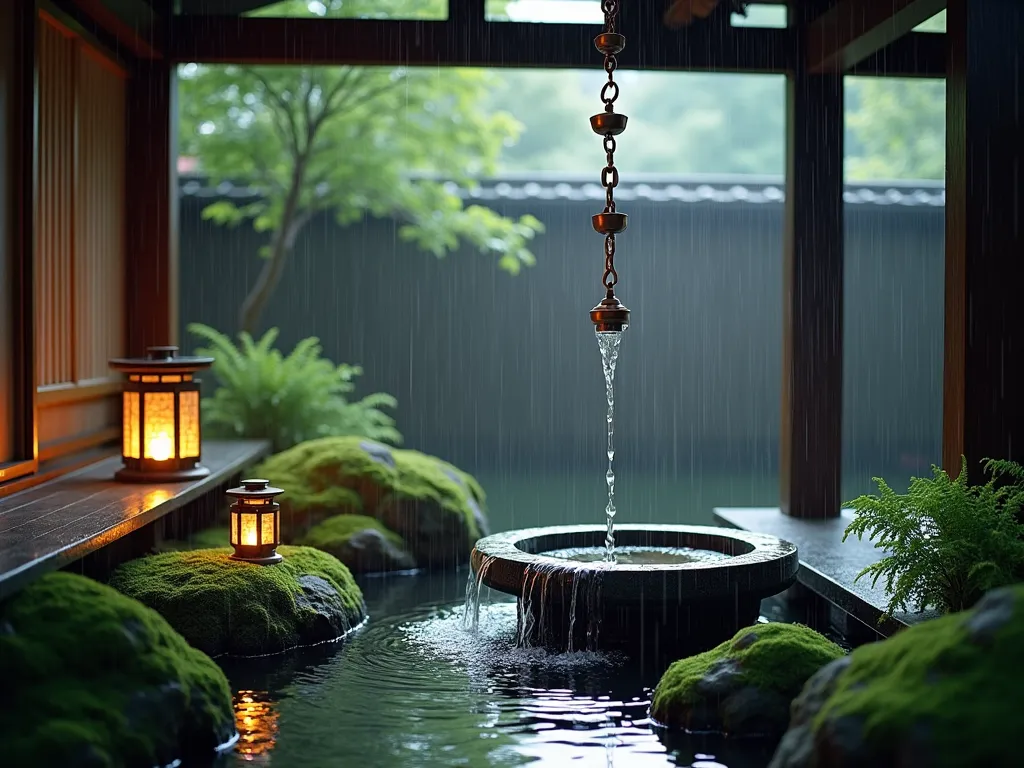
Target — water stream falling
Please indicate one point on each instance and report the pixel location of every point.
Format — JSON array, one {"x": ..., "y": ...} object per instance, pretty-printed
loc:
[{"x": 608, "y": 342}]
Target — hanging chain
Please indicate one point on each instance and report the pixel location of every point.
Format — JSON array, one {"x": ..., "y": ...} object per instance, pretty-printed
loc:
[{"x": 609, "y": 174}]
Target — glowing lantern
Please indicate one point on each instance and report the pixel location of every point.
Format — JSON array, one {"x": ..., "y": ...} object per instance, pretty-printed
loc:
[
  {"x": 255, "y": 522},
  {"x": 161, "y": 435}
]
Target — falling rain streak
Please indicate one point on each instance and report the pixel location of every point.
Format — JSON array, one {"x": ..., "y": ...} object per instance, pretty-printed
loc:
[{"x": 608, "y": 342}]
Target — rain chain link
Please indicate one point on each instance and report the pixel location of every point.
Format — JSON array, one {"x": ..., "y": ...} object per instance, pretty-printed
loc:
[
  {"x": 609, "y": 316},
  {"x": 609, "y": 174}
]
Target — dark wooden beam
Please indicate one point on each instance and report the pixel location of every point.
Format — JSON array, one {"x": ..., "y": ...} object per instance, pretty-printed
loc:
[
  {"x": 461, "y": 42},
  {"x": 983, "y": 410},
  {"x": 17, "y": 232},
  {"x": 918, "y": 54},
  {"x": 152, "y": 206},
  {"x": 133, "y": 23},
  {"x": 853, "y": 30},
  {"x": 222, "y": 7},
  {"x": 812, "y": 349}
]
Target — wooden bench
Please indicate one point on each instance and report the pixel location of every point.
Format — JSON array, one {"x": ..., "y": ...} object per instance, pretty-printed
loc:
[{"x": 62, "y": 521}]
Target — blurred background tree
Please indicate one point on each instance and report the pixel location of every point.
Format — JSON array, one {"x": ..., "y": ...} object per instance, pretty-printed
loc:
[{"x": 351, "y": 140}]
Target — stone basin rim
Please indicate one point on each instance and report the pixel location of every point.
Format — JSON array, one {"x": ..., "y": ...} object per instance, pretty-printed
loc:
[{"x": 505, "y": 546}]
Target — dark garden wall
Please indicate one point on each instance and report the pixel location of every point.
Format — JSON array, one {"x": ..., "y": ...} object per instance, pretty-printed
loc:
[{"x": 495, "y": 371}]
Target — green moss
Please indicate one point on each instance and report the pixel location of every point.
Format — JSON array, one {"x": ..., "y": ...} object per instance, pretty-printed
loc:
[
  {"x": 338, "y": 475},
  {"x": 941, "y": 676},
  {"x": 98, "y": 679},
  {"x": 208, "y": 538},
  {"x": 780, "y": 660},
  {"x": 335, "y": 530},
  {"x": 224, "y": 606},
  {"x": 362, "y": 543}
]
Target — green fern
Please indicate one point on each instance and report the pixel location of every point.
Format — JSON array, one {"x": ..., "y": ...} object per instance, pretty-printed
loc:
[
  {"x": 287, "y": 399},
  {"x": 947, "y": 541}
]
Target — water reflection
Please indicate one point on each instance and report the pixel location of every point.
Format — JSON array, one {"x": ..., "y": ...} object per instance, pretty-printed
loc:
[
  {"x": 415, "y": 689},
  {"x": 256, "y": 722}
]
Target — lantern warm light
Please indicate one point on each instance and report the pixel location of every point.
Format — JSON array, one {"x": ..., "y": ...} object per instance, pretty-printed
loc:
[
  {"x": 256, "y": 722},
  {"x": 255, "y": 522},
  {"x": 160, "y": 404}
]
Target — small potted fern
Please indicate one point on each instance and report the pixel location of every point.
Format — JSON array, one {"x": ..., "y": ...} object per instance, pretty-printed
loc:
[
  {"x": 947, "y": 542},
  {"x": 287, "y": 399}
]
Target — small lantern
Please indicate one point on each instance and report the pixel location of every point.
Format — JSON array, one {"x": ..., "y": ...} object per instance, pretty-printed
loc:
[
  {"x": 256, "y": 522},
  {"x": 161, "y": 435}
]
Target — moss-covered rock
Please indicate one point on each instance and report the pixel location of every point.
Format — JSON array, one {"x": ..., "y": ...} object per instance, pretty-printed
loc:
[
  {"x": 93, "y": 678},
  {"x": 362, "y": 543},
  {"x": 942, "y": 694},
  {"x": 208, "y": 538},
  {"x": 436, "y": 508},
  {"x": 744, "y": 686},
  {"x": 225, "y": 606}
]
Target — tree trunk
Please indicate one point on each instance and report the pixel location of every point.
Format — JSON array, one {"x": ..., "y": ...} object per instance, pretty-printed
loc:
[{"x": 283, "y": 243}]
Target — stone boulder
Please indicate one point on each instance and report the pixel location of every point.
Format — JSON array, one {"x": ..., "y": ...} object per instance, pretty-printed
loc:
[
  {"x": 362, "y": 543},
  {"x": 946, "y": 692},
  {"x": 93, "y": 678},
  {"x": 436, "y": 508},
  {"x": 225, "y": 606},
  {"x": 744, "y": 686}
]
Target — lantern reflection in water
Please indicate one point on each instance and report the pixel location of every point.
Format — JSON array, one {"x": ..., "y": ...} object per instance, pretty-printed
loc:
[{"x": 256, "y": 722}]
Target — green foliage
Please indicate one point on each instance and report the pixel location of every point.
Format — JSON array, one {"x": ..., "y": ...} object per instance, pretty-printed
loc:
[
  {"x": 896, "y": 128},
  {"x": 948, "y": 541},
  {"x": 694, "y": 122},
  {"x": 287, "y": 399},
  {"x": 354, "y": 141}
]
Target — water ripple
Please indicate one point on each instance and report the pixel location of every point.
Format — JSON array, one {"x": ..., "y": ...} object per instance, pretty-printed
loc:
[{"x": 415, "y": 690}]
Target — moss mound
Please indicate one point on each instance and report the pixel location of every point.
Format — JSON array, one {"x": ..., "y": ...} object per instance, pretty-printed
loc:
[
  {"x": 362, "y": 543},
  {"x": 435, "y": 507},
  {"x": 745, "y": 685},
  {"x": 225, "y": 606},
  {"x": 208, "y": 538},
  {"x": 946, "y": 692},
  {"x": 93, "y": 678}
]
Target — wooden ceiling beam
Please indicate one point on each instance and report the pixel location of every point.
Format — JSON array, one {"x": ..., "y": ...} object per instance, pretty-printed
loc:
[
  {"x": 475, "y": 42},
  {"x": 133, "y": 23},
  {"x": 918, "y": 54},
  {"x": 854, "y": 30}
]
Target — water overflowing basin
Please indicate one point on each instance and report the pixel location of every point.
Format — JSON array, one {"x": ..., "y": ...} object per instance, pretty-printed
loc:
[{"x": 709, "y": 583}]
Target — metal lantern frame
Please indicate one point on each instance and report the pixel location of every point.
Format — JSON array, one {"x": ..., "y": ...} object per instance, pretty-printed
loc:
[
  {"x": 163, "y": 381},
  {"x": 255, "y": 500}
]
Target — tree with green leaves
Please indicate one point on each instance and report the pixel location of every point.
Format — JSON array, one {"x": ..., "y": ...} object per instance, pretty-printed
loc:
[
  {"x": 895, "y": 128},
  {"x": 400, "y": 142}
]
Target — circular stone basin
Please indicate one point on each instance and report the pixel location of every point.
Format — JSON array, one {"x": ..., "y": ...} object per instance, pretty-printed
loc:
[{"x": 711, "y": 585}]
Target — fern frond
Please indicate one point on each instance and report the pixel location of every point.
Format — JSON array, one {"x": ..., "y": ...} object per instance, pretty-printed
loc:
[
  {"x": 946, "y": 541},
  {"x": 287, "y": 398}
]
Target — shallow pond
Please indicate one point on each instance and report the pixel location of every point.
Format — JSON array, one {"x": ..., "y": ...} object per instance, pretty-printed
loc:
[{"x": 413, "y": 689}]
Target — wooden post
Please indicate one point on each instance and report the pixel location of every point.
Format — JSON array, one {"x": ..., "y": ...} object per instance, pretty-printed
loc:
[
  {"x": 812, "y": 361},
  {"x": 983, "y": 377},
  {"x": 152, "y": 206}
]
